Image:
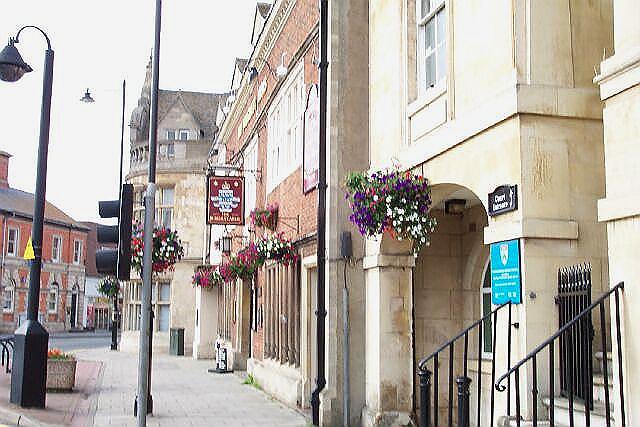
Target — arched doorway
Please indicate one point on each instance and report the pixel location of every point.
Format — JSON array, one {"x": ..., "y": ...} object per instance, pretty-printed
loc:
[{"x": 452, "y": 289}]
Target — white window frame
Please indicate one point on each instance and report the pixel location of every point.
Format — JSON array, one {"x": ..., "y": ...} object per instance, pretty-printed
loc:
[
  {"x": 172, "y": 138},
  {"x": 11, "y": 287},
  {"x": 250, "y": 184},
  {"x": 171, "y": 150},
  {"x": 161, "y": 207},
  {"x": 438, "y": 7},
  {"x": 284, "y": 126},
  {"x": 15, "y": 243},
  {"x": 54, "y": 288},
  {"x": 56, "y": 257},
  {"x": 77, "y": 252},
  {"x": 186, "y": 134},
  {"x": 484, "y": 291}
]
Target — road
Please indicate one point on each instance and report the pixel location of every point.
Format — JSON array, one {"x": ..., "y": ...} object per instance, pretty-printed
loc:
[{"x": 80, "y": 340}]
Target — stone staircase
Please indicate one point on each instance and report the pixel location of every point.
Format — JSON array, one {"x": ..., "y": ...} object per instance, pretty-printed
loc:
[{"x": 561, "y": 404}]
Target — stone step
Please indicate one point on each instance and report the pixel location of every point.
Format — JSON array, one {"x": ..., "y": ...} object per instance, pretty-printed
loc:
[
  {"x": 511, "y": 422},
  {"x": 598, "y": 387},
  {"x": 561, "y": 412}
]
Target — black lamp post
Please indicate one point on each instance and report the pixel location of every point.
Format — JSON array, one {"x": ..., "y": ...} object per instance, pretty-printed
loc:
[
  {"x": 29, "y": 373},
  {"x": 115, "y": 318}
]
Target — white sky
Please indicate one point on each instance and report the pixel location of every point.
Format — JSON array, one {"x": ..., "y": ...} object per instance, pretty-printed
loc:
[{"x": 97, "y": 44}]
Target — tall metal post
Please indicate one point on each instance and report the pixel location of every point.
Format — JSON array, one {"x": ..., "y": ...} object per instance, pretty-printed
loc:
[
  {"x": 321, "y": 312},
  {"x": 149, "y": 219},
  {"x": 29, "y": 371},
  {"x": 115, "y": 320}
]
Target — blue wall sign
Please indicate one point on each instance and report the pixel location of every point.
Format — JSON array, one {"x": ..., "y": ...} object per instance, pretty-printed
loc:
[{"x": 506, "y": 283}]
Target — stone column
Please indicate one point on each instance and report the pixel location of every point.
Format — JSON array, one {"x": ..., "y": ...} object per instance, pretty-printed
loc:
[
  {"x": 388, "y": 269},
  {"x": 207, "y": 324}
]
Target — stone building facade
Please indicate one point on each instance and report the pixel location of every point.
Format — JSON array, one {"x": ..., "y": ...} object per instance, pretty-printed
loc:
[
  {"x": 619, "y": 209},
  {"x": 186, "y": 127},
  {"x": 64, "y": 243}
]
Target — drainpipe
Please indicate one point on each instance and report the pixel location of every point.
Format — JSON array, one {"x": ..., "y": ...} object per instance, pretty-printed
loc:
[
  {"x": 321, "y": 312},
  {"x": 4, "y": 247},
  {"x": 346, "y": 386}
]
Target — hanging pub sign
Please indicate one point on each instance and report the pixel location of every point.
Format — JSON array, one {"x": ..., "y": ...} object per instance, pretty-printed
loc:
[
  {"x": 506, "y": 281},
  {"x": 503, "y": 199},
  {"x": 225, "y": 200},
  {"x": 311, "y": 140}
]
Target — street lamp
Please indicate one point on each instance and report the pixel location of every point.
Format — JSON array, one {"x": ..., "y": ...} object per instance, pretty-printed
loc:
[
  {"x": 116, "y": 313},
  {"x": 87, "y": 97},
  {"x": 29, "y": 373}
]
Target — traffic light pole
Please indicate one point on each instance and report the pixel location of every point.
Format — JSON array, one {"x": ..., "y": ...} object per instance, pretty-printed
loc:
[
  {"x": 115, "y": 319},
  {"x": 144, "y": 365}
]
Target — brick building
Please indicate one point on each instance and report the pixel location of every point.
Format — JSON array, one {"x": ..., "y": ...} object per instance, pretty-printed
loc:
[
  {"x": 62, "y": 284},
  {"x": 262, "y": 137}
]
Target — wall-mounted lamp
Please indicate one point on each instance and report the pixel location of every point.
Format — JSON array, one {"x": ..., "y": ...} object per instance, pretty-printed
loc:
[
  {"x": 455, "y": 206},
  {"x": 279, "y": 74},
  {"x": 225, "y": 244}
]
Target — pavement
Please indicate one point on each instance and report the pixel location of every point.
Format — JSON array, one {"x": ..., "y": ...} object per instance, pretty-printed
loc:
[{"x": 184, "y": 394}]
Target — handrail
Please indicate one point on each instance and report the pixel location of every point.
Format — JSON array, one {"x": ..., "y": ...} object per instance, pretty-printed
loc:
[
  {"x": 424, "y": 360},
  {"x": 500, "y": 387}
]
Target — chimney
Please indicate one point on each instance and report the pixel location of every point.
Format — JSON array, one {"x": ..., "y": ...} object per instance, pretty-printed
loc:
[{"x": 4, "y": 169}]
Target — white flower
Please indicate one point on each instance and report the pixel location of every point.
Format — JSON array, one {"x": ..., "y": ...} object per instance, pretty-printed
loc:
[
  {"x": 375, "y": 197},
  {"x": 388, "y": 199}
]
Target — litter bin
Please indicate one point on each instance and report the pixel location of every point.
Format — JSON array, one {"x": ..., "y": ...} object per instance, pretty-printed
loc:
[{"x": 176, "y": 342}]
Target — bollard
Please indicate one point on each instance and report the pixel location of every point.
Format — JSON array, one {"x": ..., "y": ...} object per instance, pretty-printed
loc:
[
  {"x": 425, "y": 397},
  {"x": 463, "y": 401}
]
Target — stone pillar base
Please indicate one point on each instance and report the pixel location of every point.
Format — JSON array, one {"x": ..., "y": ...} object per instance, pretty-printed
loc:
[{"x": 386, "y": 419}]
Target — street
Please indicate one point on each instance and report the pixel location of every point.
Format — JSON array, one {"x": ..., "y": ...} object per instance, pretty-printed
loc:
[{"x": 66, "y": 341}]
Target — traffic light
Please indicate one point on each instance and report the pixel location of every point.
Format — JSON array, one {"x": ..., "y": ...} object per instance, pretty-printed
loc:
[{"x": 116, "y": 262}]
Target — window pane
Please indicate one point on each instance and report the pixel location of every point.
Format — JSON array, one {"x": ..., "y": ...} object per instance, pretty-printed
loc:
[
  {"x": 486, "y": 327},
  {"x": 165, "y": 291},
  {"x": 426, "y": 8},
  {"x": 171, "y": 135},
  {"x": 166, "y": 218},
  {"x": 163, "y": 318},
  {"x": 171, "y": 150},
  {"x": 167, "y": 196},
  {"x": 430, "y": 36},
  {"x": 184, "y": 134},
  {"x": 430, "y": 71}
]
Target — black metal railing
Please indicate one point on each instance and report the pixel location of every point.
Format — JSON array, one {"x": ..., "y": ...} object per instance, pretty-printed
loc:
[
  {"x": 429, "y": 377},
  {"x": 567, "y": 332},
  {"x": 576, "y": 369},
  {"x": 7, "y": 342}
]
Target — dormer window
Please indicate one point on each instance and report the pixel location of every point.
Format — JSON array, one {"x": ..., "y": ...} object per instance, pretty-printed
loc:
[
  {"x": 171, "y": 134},
  {"x": 184, "y": 134}
]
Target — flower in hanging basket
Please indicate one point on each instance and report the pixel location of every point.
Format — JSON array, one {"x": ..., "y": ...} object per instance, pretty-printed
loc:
[
  {"x": 277, "y": 248},
  {"x": 109, "y": 286},
  {"x": 267, "y": 217},
  {"x": 167, "y": 249},
  {"x": 391, "y": 201},
  {"x": 245, "y": 263},
  {"x": 207, "y": 277},
  {"x": 226, "y": 273}
]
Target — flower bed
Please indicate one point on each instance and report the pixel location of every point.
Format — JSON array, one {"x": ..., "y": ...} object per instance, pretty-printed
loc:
[
  {"x": 391, "y": 201},
  {"x": 167, "y": 249},
  {"x": 109, "y": 286},
  {"x": 277, "y": 248},
  {"x": 61, "y": 370},
  {"x": 267, "y": 217}
]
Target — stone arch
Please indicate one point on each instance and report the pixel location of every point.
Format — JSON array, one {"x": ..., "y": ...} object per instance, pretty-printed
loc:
[{"x": 447, "y": 279}]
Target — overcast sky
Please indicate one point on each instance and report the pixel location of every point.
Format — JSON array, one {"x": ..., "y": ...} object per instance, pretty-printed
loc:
[{"x": 97, "y": 44}]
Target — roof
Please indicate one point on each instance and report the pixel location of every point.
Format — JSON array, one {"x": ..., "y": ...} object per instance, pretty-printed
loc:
[
  {"x": 21, "y": 203},
  {"x": 203, "y": 106},
  {"x": 241, "y": 64},
  {"x": 264, "y": 9}
]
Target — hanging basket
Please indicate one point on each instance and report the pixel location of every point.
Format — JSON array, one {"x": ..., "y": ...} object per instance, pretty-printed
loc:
[{"x": 392, "y": 202}]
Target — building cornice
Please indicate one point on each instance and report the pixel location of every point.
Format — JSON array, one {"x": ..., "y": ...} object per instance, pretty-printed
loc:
[{"x": 618, "y": 73}]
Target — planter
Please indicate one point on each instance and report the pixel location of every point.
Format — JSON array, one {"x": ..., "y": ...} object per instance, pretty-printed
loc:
[{"x": 61, "y": 375}]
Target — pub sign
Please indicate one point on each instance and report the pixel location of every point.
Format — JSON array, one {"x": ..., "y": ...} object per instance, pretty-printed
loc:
[
  {"x": 503, "y": 199},
  {"x": 225, "y": 200},
  {"x": 506, "y": 281}
]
